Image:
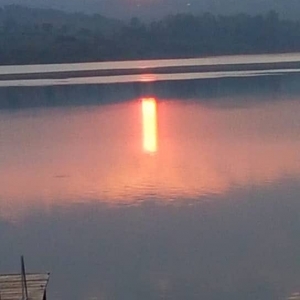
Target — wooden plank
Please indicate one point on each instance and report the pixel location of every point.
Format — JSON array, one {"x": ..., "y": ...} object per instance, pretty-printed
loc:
[
  {"x": 16, "y": 291},
  {"x": 19, "y": 291},
  {"x": 13, "y": 292},
  {"x": 19, "y": 297},
  {"x": 15, "y": 288},
  {"x": 32, "y": 284},
  {"x": 29, "y": 277}
]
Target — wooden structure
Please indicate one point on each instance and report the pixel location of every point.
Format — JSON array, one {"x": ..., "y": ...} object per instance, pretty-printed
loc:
[
  {"x": 23, "y": 286},
  {"x": 294, "y": 296},
  {"x": 12, "y": 287}
]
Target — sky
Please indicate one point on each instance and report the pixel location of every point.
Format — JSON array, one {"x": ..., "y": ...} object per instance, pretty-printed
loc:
[{"x": 158, "y": 8}]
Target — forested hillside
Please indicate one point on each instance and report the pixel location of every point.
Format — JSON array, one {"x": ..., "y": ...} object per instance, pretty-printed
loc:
[{"x": 30, "y": 36}]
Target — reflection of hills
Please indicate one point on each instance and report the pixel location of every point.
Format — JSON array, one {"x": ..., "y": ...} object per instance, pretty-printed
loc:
[{"x": 208, "y": 90}]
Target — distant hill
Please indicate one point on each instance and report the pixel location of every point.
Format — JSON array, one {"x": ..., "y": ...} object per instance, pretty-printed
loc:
[
  {"x": 149, "y": 9},
  {"x": 34, "y": 35},
  {"x": 30, "y": 16}
]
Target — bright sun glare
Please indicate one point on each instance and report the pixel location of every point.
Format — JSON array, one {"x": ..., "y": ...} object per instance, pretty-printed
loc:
[{"x": 149, "y": 125}]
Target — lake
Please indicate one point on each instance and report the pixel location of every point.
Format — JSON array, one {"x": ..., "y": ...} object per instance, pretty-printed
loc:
[{"x": 145, "y": 189}]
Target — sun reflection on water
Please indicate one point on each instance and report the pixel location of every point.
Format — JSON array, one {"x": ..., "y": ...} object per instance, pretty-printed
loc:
[{"x": 149, "y": 112}]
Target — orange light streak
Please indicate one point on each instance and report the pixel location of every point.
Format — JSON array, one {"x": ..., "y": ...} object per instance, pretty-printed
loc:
[{"x": 149, "y": 125}]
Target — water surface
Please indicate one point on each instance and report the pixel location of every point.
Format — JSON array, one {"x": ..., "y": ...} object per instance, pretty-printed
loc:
[{"x": 155, "y": 192}]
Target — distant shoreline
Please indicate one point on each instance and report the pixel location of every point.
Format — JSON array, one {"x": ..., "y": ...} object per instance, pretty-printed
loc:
[{"x": 173, "y": 66}]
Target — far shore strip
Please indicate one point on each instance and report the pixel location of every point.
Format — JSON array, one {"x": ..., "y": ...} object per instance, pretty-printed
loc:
[{"x": 62, "y": 74}]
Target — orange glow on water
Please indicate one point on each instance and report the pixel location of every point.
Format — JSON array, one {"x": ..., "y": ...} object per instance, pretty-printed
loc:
[
  {"x": 61, "y": 157},
  {"x": 149, "y": 125}
]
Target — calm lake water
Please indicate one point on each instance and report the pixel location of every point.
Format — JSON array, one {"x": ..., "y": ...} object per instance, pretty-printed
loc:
[{"x": 154, "y": 190}]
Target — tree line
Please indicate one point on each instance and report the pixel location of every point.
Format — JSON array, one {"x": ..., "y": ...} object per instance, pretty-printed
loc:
[{"x": 30, "y": 36}]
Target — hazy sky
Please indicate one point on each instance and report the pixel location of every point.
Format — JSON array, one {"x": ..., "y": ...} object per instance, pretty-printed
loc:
[{"x": 158, "y": 8}]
